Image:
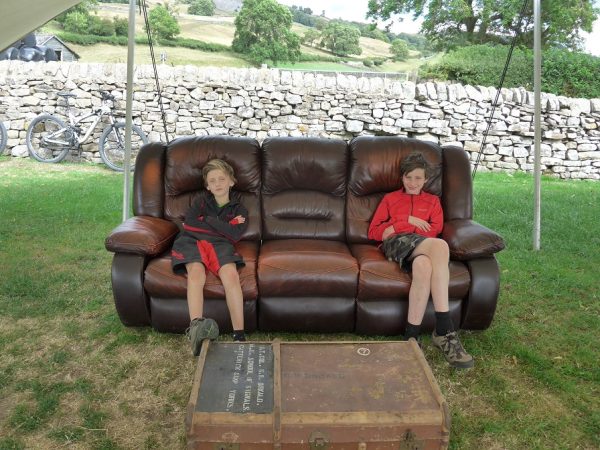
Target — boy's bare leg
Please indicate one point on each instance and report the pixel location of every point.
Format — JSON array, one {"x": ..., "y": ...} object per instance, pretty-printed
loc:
[
  {"x": 420, "y": 287},
  {"x": 444, "y": 337},
  {"x": 196, "y": 274},
  {"x": 233, "y": 294},
  {"x": 438, "y": 253},
  {"x": 200, "y": 328}
]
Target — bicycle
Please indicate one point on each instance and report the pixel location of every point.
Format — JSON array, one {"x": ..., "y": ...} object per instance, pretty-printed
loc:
[
  {"x": 3, "y": 137},
  {"x": 49, "y": 139}
]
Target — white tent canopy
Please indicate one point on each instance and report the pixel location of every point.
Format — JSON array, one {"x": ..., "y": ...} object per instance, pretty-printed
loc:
[{"x": 20, "y": 17}]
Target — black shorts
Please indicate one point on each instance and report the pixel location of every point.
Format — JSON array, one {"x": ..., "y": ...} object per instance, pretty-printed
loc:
[{"x": 213, "y": 254}]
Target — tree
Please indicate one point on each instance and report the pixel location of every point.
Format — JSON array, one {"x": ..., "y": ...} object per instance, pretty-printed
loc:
[
  {"x": 162, "y": 23},
  {"x": 341, "y": 39},
  {"x": 202, "y": 8},
  {"x": 320, "y": 23},
  {"x": 452, "y": 23},
  {"x": 399, "y": 49},
  {"x": 263, "y": 32},
  {"x": 76, "y": 22},
  {"x": 83, "y": 8},
  {"x": 310, "y": 36}
]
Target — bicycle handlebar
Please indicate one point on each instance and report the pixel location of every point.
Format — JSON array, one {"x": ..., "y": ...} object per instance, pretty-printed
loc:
[{"x": 105, "y": 95}]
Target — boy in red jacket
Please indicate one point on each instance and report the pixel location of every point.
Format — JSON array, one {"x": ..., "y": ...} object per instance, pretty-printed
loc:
[
  {"x": 212, "y": 225},
  {"x": 408, "y": 222}
]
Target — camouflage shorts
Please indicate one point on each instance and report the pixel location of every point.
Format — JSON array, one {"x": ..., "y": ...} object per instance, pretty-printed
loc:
[{"x": 399, "y": 247}]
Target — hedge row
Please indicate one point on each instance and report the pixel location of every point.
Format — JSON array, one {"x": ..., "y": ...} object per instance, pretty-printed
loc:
[
  {"x": 89, "y": 39},
  {"x": 563, "y": 72},
  {"x": 309, "y": 57}
]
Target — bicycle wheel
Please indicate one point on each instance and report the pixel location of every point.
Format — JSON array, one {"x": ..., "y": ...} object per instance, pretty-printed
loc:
[
  {"x": 3, "y": 138},
  {"x": 112, "y": 145},
  {"x": 48, "y": 139}
]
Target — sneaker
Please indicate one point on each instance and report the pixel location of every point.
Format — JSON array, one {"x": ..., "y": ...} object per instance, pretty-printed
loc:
[
  {"x": 239, "y": 336},
  {"x": 453, "y": 350},
  {"x": 418, "y": 340},
  {"x": 199, "y": 330}
]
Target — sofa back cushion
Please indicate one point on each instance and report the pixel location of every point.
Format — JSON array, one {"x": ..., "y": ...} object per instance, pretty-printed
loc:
[
  {"x": 304, "y": 188},
  {"x": 184, "y": 160},
  {"x": 375, "y": 171}
]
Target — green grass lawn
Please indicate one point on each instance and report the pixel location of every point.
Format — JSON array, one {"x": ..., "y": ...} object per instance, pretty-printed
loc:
[{"x": 72, "y": 376}]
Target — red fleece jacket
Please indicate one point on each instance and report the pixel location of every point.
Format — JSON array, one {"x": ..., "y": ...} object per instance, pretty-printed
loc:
[{"x": 395, "y": 208}]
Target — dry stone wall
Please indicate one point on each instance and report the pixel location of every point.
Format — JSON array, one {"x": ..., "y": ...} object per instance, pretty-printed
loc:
[{"x": 269, "y": 102}]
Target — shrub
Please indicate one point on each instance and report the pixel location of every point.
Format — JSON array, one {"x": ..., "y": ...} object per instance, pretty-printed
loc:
[
  {"x": 367, "y": 62},
  {"x": 571, "y": 74},
  {"x": 483, "y": 65},
  {"x": 563, "y": 72},
  {"x": 100, "y": 27},
  {"x": 121, "y": 26}
]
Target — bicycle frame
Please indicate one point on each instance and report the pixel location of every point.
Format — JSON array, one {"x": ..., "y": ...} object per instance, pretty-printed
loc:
[{"x": 104, "y": 110}]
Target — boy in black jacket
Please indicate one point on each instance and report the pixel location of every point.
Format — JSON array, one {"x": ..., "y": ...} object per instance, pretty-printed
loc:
[{"x": 212, "y": 225}]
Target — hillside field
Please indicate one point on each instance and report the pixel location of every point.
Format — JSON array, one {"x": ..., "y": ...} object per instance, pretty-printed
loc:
[{"x": 220, "y": 29}]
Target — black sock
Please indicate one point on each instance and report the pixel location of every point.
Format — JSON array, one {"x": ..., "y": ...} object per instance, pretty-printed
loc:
[
  {"x": 412, "y": 331},
  {"x": 239, "y": 335},
  {"x": 443, "y": 323}
]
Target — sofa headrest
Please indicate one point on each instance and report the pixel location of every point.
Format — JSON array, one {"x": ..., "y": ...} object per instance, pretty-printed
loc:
[
  {"x": 304, "y": 164},
  {"x": 186, "y": 157},
  {"x": 375, "y": 164}
]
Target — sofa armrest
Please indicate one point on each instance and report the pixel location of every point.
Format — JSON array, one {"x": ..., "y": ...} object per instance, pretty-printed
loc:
[
  {"x": 468, "y": 239},
  {"x": 142, "y": 235}
]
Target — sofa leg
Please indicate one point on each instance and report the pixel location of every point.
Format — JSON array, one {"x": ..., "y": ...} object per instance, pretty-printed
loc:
[
  {"x": 130, "y": 298},
  {"x": 478, "y": 310}
]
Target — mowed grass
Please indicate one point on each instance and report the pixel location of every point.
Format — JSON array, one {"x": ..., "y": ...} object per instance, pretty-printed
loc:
[
  {"x": 72, "y": 376},
  {"x": 176, "y": 56}
]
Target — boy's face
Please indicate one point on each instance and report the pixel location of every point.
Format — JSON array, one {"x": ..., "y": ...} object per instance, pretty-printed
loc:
[
  {"x": 414, "y": 181},
  {"x": 218, "y": 182}
]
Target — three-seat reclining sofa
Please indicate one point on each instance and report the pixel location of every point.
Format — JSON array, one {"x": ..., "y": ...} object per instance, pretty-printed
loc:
[{"x": 310, "y": 266}]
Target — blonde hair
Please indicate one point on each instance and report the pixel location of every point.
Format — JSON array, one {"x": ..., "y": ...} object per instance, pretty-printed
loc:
[{"x": 218, "y": 164}]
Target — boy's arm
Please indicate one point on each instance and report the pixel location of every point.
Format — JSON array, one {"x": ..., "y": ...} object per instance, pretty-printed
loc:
[
  {"x": 437, "y": 219},
  {"x": 232, "y": 230},
  {"x": 380, "y": 221},
  {"x": 402, "y": 225}
]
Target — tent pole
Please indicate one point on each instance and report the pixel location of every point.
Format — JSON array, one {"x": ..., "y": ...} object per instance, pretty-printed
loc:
[
  {"x": 537, "y": 76},
  {"x": 128, "y": 109}
]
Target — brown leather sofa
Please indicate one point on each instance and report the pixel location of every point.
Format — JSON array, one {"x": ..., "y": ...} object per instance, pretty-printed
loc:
[{"x": 309, "y": 264}]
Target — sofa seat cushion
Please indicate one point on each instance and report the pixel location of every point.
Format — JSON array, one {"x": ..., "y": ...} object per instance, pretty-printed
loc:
[
  {"x": 380, "y": 278},
  {"x": 306, "y": 268},
  {"x": 161, "y": 282}
]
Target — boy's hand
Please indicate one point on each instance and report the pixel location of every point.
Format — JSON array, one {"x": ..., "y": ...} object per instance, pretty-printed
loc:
[
  {"x": 388, "y": 232},
  {"x": 419, "y": 223},
  {"x": 237, "y": 220}
]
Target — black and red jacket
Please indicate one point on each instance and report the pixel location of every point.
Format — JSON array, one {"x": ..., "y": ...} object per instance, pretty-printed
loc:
[
  {"x": 206, "y": 221},
  {"x": 395, "y": 208}
]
